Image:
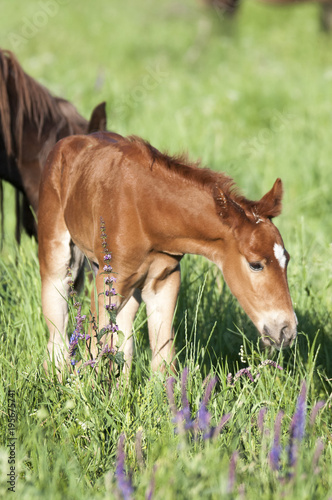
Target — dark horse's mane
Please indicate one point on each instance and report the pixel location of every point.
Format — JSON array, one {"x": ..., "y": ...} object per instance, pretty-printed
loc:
[
  {"x": 29, "y": 115},
  {"x": 32, "y": 100}
]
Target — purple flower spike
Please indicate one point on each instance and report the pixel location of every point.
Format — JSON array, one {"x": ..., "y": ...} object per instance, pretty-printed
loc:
[
  {"x": 107, "y": 269},
  {"x": 276, "y": 448},
  {"x": 297, "y": 426},
  {"x": 149, "y": 493},
  {"x": 209, "y": 390},
  {"x": 112, "y": 328},
  {"x": 318, "y": 406},
  {"x": 260, "y": 419},
  {"x": 203, "y": 416},
  {"x": 318, "y": 451},
  {"x": 107, "y": 257},
  {"x": 90, "y": 362},
  {"x": 185, "y": 412},
  {"x": 298, "y": 421},
  {"x": 170, "y": 394},
  {"x": 269, "y": 362},
  {"x": 232, "y": 470},
  {"x": 221, "y": 425},
  {"x": 244, "y": 371},
  {"x": 123, "y": 483}
]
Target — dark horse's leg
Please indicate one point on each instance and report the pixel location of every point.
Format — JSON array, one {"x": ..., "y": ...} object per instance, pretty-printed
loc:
[
  {"x": 9, "y": 172},
  {"x": 326, "y": 17},
  {"x": 224, "y": 7}
]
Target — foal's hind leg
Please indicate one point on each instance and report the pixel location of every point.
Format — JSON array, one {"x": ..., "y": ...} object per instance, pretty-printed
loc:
[
  {"x": 125, "y": 319},
  {"x": 56, "y": 253},
  {"x": 160, "y": 296}
]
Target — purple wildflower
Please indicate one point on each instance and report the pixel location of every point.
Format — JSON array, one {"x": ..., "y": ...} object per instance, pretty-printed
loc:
[
  {"x": 170, "y": 394},
  {"x": 112, "y": 328},
  {"x": 182, "y": 418},
  {"x": 221, "y": 425},
  {"x": 107, "y": 269},
  {"x": 318, "y": 406},
  {"x": 298, "y": 421},
  {"x": 78, "y": 334},
  {"x": 106, "y": 350},
  {"x": 203, "y": 419},
  {"x": 260, "y": 418},
  {"x": 203, "y": 416},
  {"x": 318, "y": 451},
  {"x": 276, "y": 448},
  {"x": 110, "y": 307},
  {"x": 297, "y": 425},
  {"x": 123, "y": 483},
  {"x": 184, "y": 414},
  {"x": 232, "y": 469},
  {"x": 109, "y": 279},
  {"x": 138, "y": 449},
  {"x": 110, "y": 292},
  {"x": 150, "y": 491},
  {"x": 244, "y": 371},
  {"x": 269, "y": 362},
  {"x": 90, "y": 362},
  {"x": 107, "y": 257}
]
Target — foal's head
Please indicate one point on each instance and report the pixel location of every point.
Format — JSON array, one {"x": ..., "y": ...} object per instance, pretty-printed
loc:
[{"x": 255, "y": 264}]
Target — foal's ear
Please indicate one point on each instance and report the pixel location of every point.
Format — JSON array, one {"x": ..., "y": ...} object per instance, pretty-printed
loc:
[
  {"x": 231, "y": 212},
  {"x": 98, "y": 120},
  {"x": 270, "y": 205}
]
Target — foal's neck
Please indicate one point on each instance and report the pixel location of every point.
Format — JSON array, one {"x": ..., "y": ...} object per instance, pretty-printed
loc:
[{"x": 190, "y": 222}]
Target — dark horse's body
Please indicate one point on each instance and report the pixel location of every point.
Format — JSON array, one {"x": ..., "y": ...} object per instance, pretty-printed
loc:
[
  {"x": 229, "y": 7},
  {"x": 31, "y": 122}
]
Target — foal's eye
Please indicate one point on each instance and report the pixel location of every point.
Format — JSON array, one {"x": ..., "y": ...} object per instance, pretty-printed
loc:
[{"x": 256, "y": 266}]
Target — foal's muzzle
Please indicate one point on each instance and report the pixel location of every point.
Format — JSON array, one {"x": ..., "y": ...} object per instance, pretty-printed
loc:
[{"x": 280, "y": 337}]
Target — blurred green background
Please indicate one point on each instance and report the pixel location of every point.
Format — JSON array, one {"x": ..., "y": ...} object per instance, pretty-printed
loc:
[{"x": 250, "y": 97}]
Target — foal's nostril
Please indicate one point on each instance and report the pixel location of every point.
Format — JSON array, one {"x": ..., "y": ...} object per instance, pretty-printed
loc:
[
  {"x": 278, "y": 337},
  {"x": 286, "y": 335}
]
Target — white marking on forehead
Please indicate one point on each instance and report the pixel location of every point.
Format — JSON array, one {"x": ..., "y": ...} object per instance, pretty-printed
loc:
[{"x": 279, "y": 253}]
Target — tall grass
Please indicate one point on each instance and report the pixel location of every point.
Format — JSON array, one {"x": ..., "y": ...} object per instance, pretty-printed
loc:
[{"x": 252, "y": 99}]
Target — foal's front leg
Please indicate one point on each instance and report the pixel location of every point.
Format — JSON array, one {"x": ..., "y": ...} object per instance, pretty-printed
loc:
[
  {"x": 160, "y": 296},
  {"x": 56, "y": 253}
]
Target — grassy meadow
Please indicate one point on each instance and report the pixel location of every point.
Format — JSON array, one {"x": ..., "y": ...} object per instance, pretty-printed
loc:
[{"x": 254, "y": 99}]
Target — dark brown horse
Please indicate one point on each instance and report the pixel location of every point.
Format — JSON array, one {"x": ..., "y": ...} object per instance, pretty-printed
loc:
[
  {"x": 229, "y": 8},
  {"x": 156, "y": 208},
  {"x": 31, "y": 122}
]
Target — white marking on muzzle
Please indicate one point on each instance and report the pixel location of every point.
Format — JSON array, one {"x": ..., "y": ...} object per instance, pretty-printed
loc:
[{"x": 279, "y": 253}]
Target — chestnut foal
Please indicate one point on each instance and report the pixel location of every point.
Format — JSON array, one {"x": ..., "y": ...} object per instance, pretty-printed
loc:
[{"x": 156, "y": 209}]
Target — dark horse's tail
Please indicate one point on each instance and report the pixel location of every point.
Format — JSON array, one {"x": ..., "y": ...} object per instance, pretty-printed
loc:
[{"x": 21, "y": 98}]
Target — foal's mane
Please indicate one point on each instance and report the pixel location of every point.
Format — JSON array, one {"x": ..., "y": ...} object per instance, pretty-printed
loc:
[
  {"x": 192, "y": 172},
  {"x": 25, "y": 97}
]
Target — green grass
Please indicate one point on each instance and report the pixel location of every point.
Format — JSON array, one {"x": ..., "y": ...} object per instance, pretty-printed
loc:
[{"x": 252, "y": 99}]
